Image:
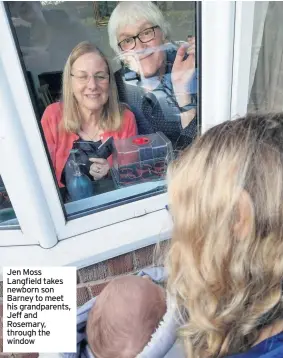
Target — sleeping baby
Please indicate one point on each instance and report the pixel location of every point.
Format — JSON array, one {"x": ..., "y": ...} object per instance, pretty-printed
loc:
[{"x": 130, "y": 319}]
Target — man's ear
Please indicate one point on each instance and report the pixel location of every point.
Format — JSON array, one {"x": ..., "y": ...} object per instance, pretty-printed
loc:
[{"x": 245, "y": 211}]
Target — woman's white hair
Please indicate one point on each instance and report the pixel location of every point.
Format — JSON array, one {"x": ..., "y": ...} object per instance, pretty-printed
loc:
[{"x": 128, "y": 13}]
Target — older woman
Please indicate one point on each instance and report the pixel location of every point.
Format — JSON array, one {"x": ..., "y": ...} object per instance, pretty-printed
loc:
[
  {"x": 88, "y": 115},
  {"x": 157, "y": 80}
]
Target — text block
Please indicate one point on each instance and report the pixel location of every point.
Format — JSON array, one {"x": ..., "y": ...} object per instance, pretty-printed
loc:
[{"x": 39, "y": 309}]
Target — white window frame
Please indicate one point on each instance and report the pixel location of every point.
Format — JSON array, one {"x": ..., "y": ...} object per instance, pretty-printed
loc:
[
  {"x": 127, "y": 227},
  {"x": 244, "y": 22},
  {"x": 20, "y": 178}
]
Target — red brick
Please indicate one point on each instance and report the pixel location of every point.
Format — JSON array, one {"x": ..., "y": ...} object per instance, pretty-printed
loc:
[
  {"x": 1, "y": 327},
  {"x": 160, "y": 251},
  {"x": 144, "y": 257},
  {"x": 95, "y": 272},
  {"x": 95, "y": 288},
  {"x": 121, "y": 264},
  {"x": 82, "y": 295}
]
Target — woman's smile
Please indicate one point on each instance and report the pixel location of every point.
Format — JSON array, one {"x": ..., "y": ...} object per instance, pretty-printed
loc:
[
  {"x": 97, "y": 91},
  {"x": 92, "y": 96}
]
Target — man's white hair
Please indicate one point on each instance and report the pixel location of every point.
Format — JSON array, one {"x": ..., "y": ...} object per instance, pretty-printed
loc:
[{"x": 128, "y": 13}]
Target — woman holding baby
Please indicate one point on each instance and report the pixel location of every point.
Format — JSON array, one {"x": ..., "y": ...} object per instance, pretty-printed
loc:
[
  {"x": 225, "y": 264},
  {"x": 226, "y": 258}
]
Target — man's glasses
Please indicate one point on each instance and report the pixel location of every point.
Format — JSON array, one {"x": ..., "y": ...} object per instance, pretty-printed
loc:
[
  {"x": 85, "y": 78},
  {"x": 144, "y": 37}
]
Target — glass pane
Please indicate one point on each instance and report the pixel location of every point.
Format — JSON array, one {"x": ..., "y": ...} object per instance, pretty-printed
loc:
[
  {"x": 7, "y": 214},
  {"x": 112, "y": 120},
  {"x": 266, "y": 73}
]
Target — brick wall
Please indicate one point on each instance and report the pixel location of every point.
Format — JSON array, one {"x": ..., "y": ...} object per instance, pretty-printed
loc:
[{"x": 92, "y": 279}]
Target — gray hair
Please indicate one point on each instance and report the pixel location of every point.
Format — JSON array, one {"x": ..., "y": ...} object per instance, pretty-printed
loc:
[{"x": 128, "y": 13}]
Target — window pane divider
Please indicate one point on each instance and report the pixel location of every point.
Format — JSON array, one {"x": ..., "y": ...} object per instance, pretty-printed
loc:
[
  {"x": 19, "y": 174},
  {"x": 244, "y": 22}
]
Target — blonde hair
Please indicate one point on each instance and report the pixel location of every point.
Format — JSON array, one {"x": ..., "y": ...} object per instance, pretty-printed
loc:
[
  {"x": 228, "y": 286},
  {"x": 124, "y": 317},
  {"x": 112, "y": 111}
]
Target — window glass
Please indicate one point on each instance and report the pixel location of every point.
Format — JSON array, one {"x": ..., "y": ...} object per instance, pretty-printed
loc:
[
  {"x": 266, "y": 73},
  {"x": 7, "y": 213},
  {"x": 112, "y": 118}
]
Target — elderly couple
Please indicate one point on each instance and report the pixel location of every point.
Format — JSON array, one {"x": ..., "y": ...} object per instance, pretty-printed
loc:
[{"x": 156, "y": 90}]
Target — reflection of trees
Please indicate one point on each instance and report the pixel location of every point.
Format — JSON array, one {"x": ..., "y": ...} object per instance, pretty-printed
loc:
[
  {"x": 106, "y": 7},
  {"x": 179, "y": 14},
  {"x": 29, "y": 23},
  {"x": 45, "y": 3},
  {"x": 75, "y": 9}
]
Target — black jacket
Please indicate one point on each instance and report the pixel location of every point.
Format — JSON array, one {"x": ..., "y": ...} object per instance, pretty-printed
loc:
[{"x": 157, "y": 110}]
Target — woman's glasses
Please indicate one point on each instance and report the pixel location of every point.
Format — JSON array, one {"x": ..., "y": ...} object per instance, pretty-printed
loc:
[
  {"x": 144, "y": 36},
  {"x": 84, "y": 78}
]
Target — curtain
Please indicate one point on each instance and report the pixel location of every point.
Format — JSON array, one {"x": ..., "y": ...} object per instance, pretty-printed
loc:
[{"x": 266, "y": 75}]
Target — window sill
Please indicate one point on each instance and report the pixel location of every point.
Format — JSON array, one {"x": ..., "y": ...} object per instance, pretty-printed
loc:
[{"x": 94, "y": 246}]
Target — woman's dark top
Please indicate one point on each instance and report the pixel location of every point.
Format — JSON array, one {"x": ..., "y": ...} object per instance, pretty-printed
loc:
[
  {"x": 158, "y": 110},
  {"x": 269, "y": 348}
]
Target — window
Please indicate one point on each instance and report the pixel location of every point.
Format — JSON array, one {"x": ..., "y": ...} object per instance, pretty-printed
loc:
[
  {"x": 266, "y": 71},
  {"x": 128, "y": 222},
  {"x": 159, "y": 114},
  {"x": 7, "y": 214}
]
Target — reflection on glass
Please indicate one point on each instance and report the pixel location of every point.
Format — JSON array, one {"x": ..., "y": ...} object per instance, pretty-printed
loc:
[
  {"x": 111, "y": 127},
  {"x": 141, "y": 159},
  {"x": 7, "y": 213}
]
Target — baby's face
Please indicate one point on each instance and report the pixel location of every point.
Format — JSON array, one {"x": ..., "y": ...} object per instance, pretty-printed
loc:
[{"x": 125, "y": 316}]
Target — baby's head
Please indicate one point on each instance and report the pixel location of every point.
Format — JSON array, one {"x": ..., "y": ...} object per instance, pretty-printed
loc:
[{"x": 124, "y": 317}]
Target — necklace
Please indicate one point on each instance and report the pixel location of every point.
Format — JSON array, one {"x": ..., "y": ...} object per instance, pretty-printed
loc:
[
  {"x": 91, "y": 138},
  {"x": 82, "y": 131}
]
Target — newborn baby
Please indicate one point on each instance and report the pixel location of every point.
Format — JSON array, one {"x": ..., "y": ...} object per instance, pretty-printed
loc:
[{"x": 124, "y": 317}]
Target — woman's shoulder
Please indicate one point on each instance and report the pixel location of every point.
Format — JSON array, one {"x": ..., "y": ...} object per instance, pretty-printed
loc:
[
  {"x": 53, "y": 112},
  {"x": 271, "y": 347},
  {"x": 128, "y": 115},
  {"x": 128, "y": 126}
]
